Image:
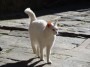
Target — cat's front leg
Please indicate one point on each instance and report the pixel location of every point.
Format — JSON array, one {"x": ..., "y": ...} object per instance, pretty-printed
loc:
[{"x": 48, "y": 52}]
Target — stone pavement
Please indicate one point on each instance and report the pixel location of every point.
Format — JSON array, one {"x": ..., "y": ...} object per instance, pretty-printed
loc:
[{"x": 71, "y": 49}]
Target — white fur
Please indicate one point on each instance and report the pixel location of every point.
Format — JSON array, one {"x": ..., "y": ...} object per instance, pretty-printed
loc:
[{"x": 41, "y": 35}]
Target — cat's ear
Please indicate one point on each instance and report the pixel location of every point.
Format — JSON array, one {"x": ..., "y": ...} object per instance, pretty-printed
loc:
[{"x": 49, "y": 24}]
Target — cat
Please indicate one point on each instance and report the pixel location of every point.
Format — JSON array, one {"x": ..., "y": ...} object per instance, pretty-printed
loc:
[{"x": 42, "y": 35}]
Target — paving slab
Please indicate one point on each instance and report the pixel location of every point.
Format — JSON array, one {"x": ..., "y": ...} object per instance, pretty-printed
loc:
[
  {"x": 19, "y": 33},
  {"x": 14, "y": 24}
]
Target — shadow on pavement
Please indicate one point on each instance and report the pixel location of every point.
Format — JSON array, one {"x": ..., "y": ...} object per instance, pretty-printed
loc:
[
  {"x": 24, "y": 64},
  {"x": 67, "y": 34},
  {"x": 73, "y": 6}
]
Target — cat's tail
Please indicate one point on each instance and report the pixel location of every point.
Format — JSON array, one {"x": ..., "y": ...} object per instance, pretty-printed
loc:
[{"x": 31, "y": 14}]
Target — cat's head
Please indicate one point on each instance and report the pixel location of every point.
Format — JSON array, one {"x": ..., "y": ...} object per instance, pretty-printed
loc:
[{"x": 52, "y": 27}]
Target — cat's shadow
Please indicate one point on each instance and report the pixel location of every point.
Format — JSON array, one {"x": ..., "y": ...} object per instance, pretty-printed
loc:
[{"x": 25, "y": 64}]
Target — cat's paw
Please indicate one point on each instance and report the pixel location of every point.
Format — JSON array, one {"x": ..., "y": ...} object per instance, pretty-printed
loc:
[
  {"x": 41, "y": 59},
  {"x": 38, "y": 57},
  {"x": 49, "y": 62}
]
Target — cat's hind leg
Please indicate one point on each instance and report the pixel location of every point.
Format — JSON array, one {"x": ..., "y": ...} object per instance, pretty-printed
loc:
[
  {"x": 38, "y": 51},
  {"x": 41, "y": 53},
  {"x": 48, "y": 52},
  {"x": 41, "y": 50},
  {"x": 33, "y": 46}
]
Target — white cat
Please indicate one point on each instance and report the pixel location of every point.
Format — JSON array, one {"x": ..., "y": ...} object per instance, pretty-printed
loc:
[{"x": 42, "y": 34}]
